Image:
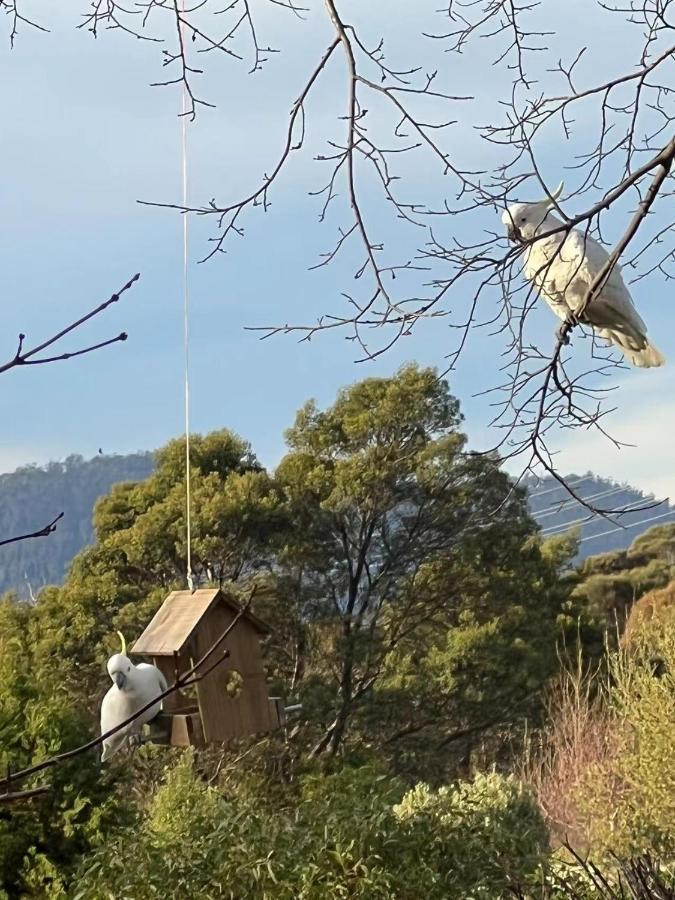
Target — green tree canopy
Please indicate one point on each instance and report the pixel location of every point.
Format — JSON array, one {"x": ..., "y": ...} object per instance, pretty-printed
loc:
[
  {"x": 404, "y": 547},
  {"x": 610, "y": 583}
]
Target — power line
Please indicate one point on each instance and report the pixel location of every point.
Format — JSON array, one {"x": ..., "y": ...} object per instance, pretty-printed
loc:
[
  {"x": 592, "y": 537},
  {"x": 558, "y": 529},
  {"x": 559, "y": 507},
  {"x": 561, "y": 487}
]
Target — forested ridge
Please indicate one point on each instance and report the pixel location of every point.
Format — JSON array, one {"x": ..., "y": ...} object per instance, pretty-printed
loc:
[
  {"x": 32, "y": 495},
  {"x": 556, "y": 511}
]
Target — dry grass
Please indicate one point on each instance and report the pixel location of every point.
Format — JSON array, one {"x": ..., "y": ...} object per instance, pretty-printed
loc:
[
  {"x": 581, "y": 738},
  {"x": 603, "y": 771}
]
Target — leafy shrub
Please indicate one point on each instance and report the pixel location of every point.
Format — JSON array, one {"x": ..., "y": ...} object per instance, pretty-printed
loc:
[
  {"x": 605, "y": 776},
  {"x": 353, "y": 833},
  {"x": 573, "y": 877},
  {"x": 41, "y": 841},
  {"x": 655, "y": 612},
  {"x": 631, "y": 800},
  {"x": 194, "y": 842},
  {"x": 478, "y": 837}
]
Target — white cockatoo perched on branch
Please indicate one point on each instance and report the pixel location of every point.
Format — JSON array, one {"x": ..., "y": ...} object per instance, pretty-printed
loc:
[
  {"x": 563, "y": 266},
  {"x": 133, "y": 687}
]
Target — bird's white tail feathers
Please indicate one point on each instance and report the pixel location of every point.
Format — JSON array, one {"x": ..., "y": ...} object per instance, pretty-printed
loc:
[
  {"x": 645, "y": 357},
  {"x": 108, "y": 751}
]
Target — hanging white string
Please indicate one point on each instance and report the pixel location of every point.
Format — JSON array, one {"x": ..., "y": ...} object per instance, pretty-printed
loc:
[{"x": 186, "y": 335}]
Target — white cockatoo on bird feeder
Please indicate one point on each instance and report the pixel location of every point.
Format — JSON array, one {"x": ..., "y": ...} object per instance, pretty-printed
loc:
[
  {"x": 133, "y": 688},
  {"x": 563, "y": 266}
]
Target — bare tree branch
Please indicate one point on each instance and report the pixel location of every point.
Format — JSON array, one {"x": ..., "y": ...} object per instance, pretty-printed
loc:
[
  {"x": 12, "y": 9},
  {"x": 41, "y": 532},
  {"x": 412, "y": 259},
  {"x": 18, "y": 796},
  {"x": 24, "y": 357}
]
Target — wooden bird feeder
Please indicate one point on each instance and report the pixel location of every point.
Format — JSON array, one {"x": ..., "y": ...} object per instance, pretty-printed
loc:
[{"x": 233, "y": 699}]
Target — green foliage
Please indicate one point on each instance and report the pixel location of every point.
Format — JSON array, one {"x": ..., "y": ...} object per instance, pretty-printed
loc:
[
  {"x": 630, "y": 796},
  {"x": 568, "y": 875},
  {"x": 141, "y": 528},
  {"x": 652, "y": 615},
  {"x": 657, "y": 543},
  {"x": 398, "y": 537},
  {"x": 476, "y": 673},
  {"x": 183, "y": 800},
  {"x": 38, "y": 717},
  {"x": 605, "y": 770},
  {"x": 478, "y": 837},
  {"x": 195, "y": 843},
  {"x": 353, "y": 833},
  {"x": 416, "y": 614},
  {"x": 611, "y": 583},
  {"x": 141, "y": 553}
]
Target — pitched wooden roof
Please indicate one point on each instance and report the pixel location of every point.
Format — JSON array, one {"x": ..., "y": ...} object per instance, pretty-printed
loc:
[{"x": 177, "y": 618}]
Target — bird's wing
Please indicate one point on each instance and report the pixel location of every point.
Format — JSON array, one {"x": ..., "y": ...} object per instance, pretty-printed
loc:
[
  {"x": 151, "y": 684},
  {"x": 541, "y": 264},
  {"x": 114, "y": 709},
  {"x": 613, "y": 307},
  {"x": 153, "y": 675},
  {"x": 575, "y": 265}
]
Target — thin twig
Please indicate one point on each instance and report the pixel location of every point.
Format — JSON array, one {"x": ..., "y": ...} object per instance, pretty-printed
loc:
[{"x": 27, "y": 357}]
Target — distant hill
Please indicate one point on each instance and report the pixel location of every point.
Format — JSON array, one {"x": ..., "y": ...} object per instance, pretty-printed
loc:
[
  {"x": 555, "y": 511},
  {"x": 33, "y": 495}
]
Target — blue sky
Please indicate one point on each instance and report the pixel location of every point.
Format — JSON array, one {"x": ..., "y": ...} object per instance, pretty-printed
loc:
[{"x": 84, "y": 137}]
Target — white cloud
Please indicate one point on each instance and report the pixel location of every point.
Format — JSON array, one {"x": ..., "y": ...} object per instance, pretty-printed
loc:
[{"x": 645, "y": 419}]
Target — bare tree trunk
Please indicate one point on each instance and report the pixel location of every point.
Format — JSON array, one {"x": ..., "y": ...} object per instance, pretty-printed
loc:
[
  {"x": 319, "y": 748},
  {"x": 331, "y": 740},
  {"x": 351, "y": 627},
  {"x": 338, "y": 732},
  {"x": 299, "y": 666}
]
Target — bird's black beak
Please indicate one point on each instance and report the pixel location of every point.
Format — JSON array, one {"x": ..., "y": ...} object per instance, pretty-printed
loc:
[
  {"x": 120, "y": 679},
  {"x": 513, "y": 234}
]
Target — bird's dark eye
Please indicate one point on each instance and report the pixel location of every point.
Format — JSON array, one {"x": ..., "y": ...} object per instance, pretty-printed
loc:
[
  {"x": 128, "y": 668},
  {"x": 522, "y": 219}
]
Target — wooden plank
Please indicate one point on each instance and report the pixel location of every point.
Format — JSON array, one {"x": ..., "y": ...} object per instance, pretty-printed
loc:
[
  {"x": 277, "y": 713},
  {"x": 186, "y": 730},
  {"x": 232, "y": 716},
  {"x": 177, "y": 729},
  {"x": 166, "y": 667},
  {"x": 254, "y": 697},
  {"x": 178, "y": 700},
  {"x": 176, "y": 619},
  {"x": 211, "y": 691},
  {"x": 258, "y": 704},
  {"x": 174, "y": 622}
]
